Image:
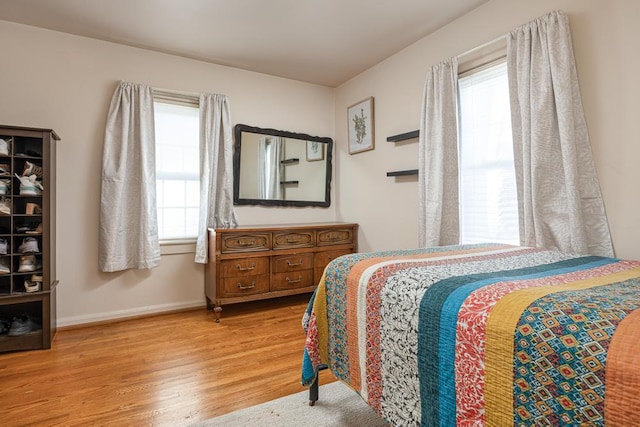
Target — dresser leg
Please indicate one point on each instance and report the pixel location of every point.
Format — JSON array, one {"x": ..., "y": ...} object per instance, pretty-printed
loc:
[{"x": 217, "y": 311}]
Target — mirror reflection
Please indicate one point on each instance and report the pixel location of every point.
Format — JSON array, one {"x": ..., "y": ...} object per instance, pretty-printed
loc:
[{"x": 279, "y": 168}]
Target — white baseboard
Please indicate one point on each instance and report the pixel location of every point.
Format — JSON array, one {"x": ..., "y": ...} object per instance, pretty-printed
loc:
[{"x": 129, "y": 313}]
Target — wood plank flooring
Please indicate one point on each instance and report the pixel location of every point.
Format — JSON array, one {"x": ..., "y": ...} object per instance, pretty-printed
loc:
[{"x": 166, "y": 370}]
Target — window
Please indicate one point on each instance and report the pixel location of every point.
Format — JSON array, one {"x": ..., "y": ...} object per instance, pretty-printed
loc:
[
  {"x": 177, "y": 168},
  {"x": 487, "y": 185}
]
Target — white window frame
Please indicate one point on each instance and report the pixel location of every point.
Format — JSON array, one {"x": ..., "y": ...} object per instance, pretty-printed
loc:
[
  {"x": 176, "y": 244},
  {"x": 478, "y": 60}
]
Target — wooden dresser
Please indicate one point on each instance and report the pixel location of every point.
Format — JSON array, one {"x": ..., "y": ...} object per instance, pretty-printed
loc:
[{"x": 260, "y": 262}]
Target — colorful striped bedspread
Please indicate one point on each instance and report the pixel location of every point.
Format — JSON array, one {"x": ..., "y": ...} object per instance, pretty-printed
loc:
[{"x": 481, "y": 335}]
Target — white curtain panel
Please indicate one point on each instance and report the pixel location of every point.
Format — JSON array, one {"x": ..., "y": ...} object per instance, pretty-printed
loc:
[
  {"x": 216, "y": 170},
  {"x": 263, "y": 167},
  {"x": 128, "y": 236},
  {"x": 438, "y": 157},
  {"x": 270, "y": 151},
  {"x": 560, "y": 204}
]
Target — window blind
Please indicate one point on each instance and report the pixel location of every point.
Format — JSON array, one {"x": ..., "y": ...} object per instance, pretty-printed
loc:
[{"x": 487, "y": 186}]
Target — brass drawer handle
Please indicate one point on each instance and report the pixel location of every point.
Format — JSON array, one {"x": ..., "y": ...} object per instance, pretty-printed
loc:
[
  {"x": 241, "y": 268},
  {"x": 333, "y": 236},
  {"x": 291, "y": 264},
  {"x": 293, "y": 239},
  {"x": 252, "y": 285},
  {"x": 298, "y": 280},
  {"x": 251, "y": 242}
]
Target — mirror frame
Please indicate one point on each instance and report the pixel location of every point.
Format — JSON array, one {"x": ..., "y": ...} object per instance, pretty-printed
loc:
[{"x": 239, "y": 128}]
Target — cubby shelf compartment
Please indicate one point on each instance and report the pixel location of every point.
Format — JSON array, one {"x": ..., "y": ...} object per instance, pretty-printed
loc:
[{"x": 404, "y": 136}]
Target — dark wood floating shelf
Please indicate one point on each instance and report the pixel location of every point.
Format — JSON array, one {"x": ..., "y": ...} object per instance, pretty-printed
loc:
[
  {"x": 404, "y": 136},
  {"x": 289, "y": 182},
  {"x": 403, "y": 173},
  {"x": 288, "y": 161}
]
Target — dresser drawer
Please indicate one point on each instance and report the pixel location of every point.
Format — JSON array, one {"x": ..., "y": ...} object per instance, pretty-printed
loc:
[
  {"x": 323, "y": 258},
  {"x": 245, "y": 242},
  {"x": 338, "y": 236},
  {"x": 291, "y": 280},
  {"x": 291, "y": 240},
  {"x": 244, "y": 267},
  {"x": 247, "y": 285},
  {"x": 296, "y": 262}
]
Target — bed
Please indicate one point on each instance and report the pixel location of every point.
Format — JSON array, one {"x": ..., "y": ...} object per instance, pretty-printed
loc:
[{"x": 481, "y": 335}]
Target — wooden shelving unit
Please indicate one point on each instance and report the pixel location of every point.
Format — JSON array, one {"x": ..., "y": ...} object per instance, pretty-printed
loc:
[{"x": 37, "y": 147}]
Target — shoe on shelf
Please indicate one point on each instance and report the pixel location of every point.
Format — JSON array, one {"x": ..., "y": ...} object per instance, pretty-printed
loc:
[
  {"x": 27, "y": 153},
  {"x": 4, "y": 246},
  {"x": 29, "y": 185},
  {"x": 4, "y": 326},
  {"x": 27, "y": 264},
  {"x": 31, "y": 286},
  {"x": 4, "y": 186},
  {"x": 34, "y": 284},
  {"x": 5, "y": 146},
  {"x": 22, "y": 325},
  {"x": 23, "y": 228},
  {"x": 29, "y": 245},
  {"x": 27, "y": 227},
  {"x": 32, "y": 169},
  {"x": 5, "y": 206},
  {"x": 4, "y": 265},
  {"x": 36, "y": 230},
  {"x": 32, "y": 209},
  {"x": 5, "y": 169}
]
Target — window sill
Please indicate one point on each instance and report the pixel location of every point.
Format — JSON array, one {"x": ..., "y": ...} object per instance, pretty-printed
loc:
[{"x": 176, "y": 247}]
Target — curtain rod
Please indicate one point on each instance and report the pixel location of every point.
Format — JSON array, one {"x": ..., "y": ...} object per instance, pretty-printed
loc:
[
  {"x": 176, "y": 93},
  {"x": 482, "y": 46}
]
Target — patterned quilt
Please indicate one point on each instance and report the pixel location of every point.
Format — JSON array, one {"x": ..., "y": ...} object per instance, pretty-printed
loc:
[{"x": 481, "y": 335}]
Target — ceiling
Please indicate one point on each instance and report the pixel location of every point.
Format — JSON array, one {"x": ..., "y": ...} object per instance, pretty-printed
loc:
[{"x": 326, "y": 42}]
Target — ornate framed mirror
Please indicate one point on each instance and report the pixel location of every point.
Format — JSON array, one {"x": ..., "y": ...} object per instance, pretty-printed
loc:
[{"x": 279, "y": 168}]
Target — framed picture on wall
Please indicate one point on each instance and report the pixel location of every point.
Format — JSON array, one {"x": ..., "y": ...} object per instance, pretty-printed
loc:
[
  {"x": 315, "y": 151},
  {"x": 360, "y": 122}
]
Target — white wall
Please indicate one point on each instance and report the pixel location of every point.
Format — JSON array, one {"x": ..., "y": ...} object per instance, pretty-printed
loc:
[
  {"x": 64, "y": 82},
  {"x": 605, "y": 38}
]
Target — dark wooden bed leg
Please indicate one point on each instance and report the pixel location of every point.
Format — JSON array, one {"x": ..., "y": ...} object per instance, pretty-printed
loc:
[{"x": 313, "y": 390}]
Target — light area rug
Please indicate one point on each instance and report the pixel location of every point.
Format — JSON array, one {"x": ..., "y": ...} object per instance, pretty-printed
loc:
[{"x": 337, "y": 405}]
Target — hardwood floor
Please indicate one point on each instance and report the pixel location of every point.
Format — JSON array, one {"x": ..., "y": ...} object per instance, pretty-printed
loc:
[{"x": 171, "y": 370}]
